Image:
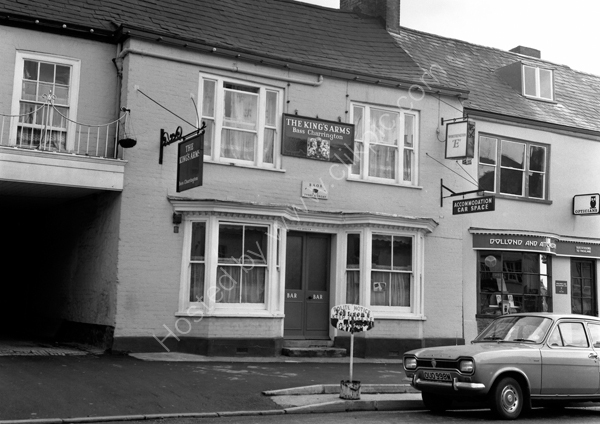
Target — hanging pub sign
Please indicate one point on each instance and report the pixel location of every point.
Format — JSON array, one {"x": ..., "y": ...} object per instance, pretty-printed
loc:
[
  {"x": 460, "y": 140},
  {"x": 317, "y": 139},
  {"x": 586, "y": 204},
  {"x": 189, "y": 162}
]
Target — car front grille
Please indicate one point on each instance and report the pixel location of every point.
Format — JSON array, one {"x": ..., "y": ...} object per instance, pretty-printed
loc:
[{"x": 439, "y": 364}]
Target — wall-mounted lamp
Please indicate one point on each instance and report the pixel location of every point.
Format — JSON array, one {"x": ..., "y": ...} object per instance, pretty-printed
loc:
[{"x": 177, "y": 218}]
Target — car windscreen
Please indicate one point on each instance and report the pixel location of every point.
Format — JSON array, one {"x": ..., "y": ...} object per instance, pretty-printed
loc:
[{"x": 524, "y": 329}]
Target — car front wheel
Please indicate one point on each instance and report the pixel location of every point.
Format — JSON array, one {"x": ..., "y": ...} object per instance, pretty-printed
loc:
[
  {"x": 436, "y": 403},
  {"x": 507, "y": 399}
]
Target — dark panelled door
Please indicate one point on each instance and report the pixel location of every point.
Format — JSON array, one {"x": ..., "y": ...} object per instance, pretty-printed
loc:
[{"x": 307, "y": 286}]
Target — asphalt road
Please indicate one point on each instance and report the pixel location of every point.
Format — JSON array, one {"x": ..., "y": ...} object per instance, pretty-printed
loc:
[{"x": 106, "y": 385}]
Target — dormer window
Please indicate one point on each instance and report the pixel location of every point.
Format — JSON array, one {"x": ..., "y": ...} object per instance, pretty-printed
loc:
[{"x": 537, "y": 83}]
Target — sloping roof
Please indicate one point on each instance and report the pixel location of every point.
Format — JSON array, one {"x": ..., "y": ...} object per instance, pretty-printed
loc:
[
  {"x": 283, "y": 29},
  {"x": 455, "y": 62}
]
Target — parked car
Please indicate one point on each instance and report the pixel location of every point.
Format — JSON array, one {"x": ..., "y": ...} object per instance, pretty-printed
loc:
[{"x": 518, "y": 359}]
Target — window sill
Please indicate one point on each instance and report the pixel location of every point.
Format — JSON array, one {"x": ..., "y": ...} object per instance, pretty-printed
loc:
[
  {"x": 381, "y": 182},
  {"x": 240, "y": 165},
  {"x": 397, "y": 315}
]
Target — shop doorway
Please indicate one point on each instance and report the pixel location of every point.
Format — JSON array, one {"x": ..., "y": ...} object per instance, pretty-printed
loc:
[
  {"x": 583, "y": 287},
  {"x": 307, "y": 286}
]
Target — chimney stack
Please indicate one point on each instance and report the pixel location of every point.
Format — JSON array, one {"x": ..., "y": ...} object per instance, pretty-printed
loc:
[
  {"x": 527, "y": 51},
  {"x": 388, "y": 10}
]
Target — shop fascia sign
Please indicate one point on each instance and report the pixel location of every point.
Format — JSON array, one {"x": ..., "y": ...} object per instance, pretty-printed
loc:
[
  {"x": 540, "y": 244},
  {"x": 586, "y": 204}
]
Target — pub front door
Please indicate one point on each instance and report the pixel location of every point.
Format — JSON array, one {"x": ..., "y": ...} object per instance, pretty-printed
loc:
[{"x": 307, "y": 286}]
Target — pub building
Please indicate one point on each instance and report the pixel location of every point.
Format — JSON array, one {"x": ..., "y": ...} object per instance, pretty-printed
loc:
[{"x": 323, "y": 174}]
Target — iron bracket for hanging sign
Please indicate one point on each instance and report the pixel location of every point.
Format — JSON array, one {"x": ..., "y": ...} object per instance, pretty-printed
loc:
[
  {"x": 442, "y": 197},
  {"x": 167, "y": 139},
  {"x": 459, "y": 119}
]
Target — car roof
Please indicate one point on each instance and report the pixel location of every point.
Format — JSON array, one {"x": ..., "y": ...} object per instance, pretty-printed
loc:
[{"x": 554, "y": 316}]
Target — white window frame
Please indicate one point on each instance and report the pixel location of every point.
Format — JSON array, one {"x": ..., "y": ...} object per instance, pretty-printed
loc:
[
  {"x": 75, "y": 65},
  {"x": 538, "y": 79},
  {"x": 499, "y": 168},
  {"x": 210, "y": 306},
  {"x": 215, "y": 151},
  {"x": 363, "y": 174},
  {"x": 415, "y": 310}
]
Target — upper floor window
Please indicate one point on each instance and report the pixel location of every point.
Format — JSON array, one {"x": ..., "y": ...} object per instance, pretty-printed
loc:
[
  {"x": 242, "y": 121},
  {"x": 517, "y": 168},
  {"x": 538, "y": 82},
  {"x": 45, "y": 100},
  {"x": 386, "y": 143}
]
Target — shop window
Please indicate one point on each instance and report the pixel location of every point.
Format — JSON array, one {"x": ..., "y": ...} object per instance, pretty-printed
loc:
[
  {"x": 353, "y": 269},
  {"x": 42, "y": 82},
  {"x": 392, "y": 270},
  {"x": 386, "y": 142},
  {"x": 583, "y": 287},
  {"x": 242, "y": 122},
  {"x": 538, "y": 82},
  {"x": 511, "y": 282},
  {"x": 515, "y": 168}
]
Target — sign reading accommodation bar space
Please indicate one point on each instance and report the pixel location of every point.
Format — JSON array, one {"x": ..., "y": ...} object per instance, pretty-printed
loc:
[
  {"x": 480, "y": 204},
  {"x": 317, "y": 139},
  {"x": 586, "y": 204},
  {"x": 189, "y": 162},
  {"x": 460, "y": 140}
]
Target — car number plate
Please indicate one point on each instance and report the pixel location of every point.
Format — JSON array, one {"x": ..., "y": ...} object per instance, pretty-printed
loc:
[{"x": 437, "y": 376}]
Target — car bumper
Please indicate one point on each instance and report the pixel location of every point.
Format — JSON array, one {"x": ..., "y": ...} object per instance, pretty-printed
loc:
[{"x": 450, "y": 386}]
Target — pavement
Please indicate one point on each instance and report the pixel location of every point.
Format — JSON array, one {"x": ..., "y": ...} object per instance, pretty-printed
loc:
[{"x": 58, "y": 384}]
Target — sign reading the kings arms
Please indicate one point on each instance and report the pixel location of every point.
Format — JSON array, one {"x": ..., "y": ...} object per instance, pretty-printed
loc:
[{"x": 318, "y": 139}]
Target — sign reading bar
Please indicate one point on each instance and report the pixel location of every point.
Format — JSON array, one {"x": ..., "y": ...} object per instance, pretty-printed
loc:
[
  {"x": 460, "y": 140},
  {"x": 480, "y": 204},
  {"x": 189, "y": 162},
  {"x": 586, "y": 204},
  {"x": 317, "y": 139}
]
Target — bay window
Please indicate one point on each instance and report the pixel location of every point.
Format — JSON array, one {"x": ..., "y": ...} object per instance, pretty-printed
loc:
[
  {"x": 242, "y": 121},
  {"x": 383, "y": 271},
  {"x": 386, "y": 141},
  {"x": 226, "y": 266},
  {"x": 391, "y": 273}
]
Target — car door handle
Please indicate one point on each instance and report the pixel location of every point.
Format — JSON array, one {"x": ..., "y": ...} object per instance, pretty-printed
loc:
[{"x": 593, "y": 355}]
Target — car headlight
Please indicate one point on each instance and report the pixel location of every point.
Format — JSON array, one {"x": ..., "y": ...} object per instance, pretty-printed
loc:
[
  {"x": 466, "y": 366},
  {"x": 410, "y": 363}
]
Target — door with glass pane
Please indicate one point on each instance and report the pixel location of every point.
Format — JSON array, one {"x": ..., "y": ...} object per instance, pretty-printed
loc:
[
  {"x": 583, "y": 287},
  {"x": 307, "y": 286}
]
